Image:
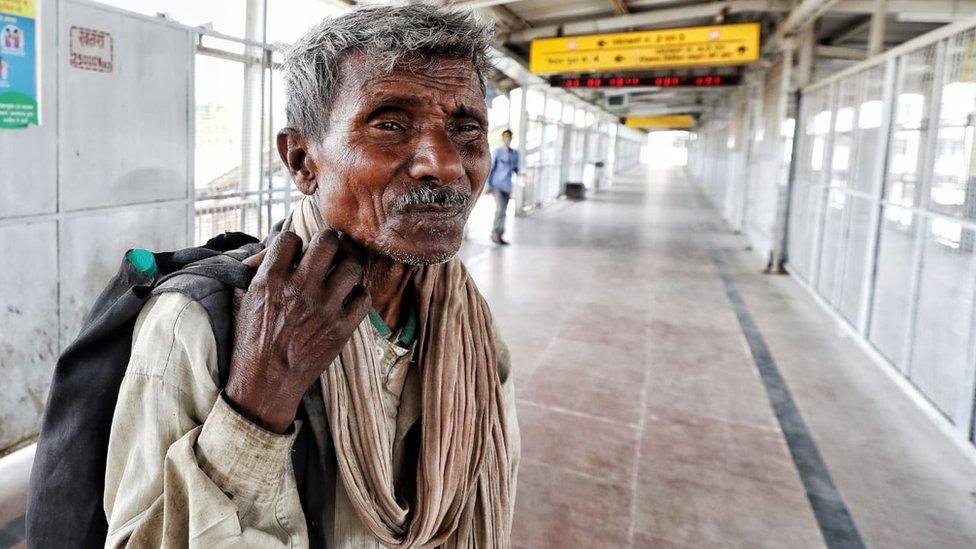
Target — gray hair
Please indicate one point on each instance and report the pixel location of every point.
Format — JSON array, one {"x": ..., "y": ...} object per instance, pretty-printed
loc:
[{"x": 389, "y": 36}]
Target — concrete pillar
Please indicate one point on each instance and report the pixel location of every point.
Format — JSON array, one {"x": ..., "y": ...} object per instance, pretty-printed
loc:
[
  {"x": 806, "y": 55},
  {"x": 878, "y": 23}
]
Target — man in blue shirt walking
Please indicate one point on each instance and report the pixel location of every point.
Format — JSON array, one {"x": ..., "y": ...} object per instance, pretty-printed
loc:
[{"x": 504, "y": 163}]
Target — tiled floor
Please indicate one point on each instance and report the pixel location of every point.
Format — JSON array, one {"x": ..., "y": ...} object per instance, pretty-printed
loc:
[{"x": 644, "y": 420}]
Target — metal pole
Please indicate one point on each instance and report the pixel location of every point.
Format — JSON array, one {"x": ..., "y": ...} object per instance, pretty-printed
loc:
[
  {"x": 523, "y": 122},
  {"x": 880, "y": 174},
  {"x": 251, "y": 127}
]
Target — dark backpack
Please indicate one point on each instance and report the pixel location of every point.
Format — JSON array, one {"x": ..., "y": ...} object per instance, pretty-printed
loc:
[
  {"x": 65, "y": 497},
  {"x": 64, "y": 507}
]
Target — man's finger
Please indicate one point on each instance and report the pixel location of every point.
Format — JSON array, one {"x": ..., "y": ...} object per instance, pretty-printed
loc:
[
  {"x": 255, "y": 260},
  {"x": 357, "y": 304},
  {"x": 318, "y": 257},
  {"x": 343, "y": 278},
  {"x": 281, "y": 255}
]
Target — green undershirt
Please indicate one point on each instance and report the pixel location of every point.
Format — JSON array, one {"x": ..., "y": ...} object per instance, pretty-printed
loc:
[{"x": 407, "y": 334}]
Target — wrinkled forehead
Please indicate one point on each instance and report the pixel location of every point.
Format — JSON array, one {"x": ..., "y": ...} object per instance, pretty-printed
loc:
[{"x": 362, "y": 73}]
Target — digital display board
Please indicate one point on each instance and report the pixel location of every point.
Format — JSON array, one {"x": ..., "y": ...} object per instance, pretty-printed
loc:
[{"x": 701, "y": 81}]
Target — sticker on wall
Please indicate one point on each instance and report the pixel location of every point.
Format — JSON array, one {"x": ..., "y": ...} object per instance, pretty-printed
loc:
[
  {"x": 91, "y": 50},
  {"x": 18, "y": 64}
]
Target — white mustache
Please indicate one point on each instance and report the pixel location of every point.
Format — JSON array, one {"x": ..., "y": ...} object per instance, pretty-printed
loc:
[{"x": 427, "y": 195}]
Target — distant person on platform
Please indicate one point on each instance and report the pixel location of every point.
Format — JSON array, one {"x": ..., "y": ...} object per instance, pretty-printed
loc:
[{"x": 504, "y": 163}]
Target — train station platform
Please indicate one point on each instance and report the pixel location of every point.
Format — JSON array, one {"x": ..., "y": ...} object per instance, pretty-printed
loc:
[
  {"x": 670, "y": 394},
  {"x": 646, "y": 346}
]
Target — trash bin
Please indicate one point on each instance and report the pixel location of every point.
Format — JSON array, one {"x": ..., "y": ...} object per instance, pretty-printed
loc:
[
  {"x": 575, "y": 190},
  {"x": 593, "y": 175},
  {"x": 598, "y": 175},
  {"x": 589, "y": 175}
]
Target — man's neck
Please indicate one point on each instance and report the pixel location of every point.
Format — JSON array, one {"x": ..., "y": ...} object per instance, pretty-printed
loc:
[{"x": 388, "y": 282}]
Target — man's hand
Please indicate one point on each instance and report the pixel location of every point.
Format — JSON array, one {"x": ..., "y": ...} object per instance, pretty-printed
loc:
[{"x": 295, "y": 318}]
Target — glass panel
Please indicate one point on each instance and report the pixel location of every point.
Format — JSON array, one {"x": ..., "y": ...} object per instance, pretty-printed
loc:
[
  {"x": 954, "y": 173},
  {"x": 554, "y": 109},
  {"x": 912, "y": 91},
  {"x": 843, "y": 154},
  {"x": 834, "y": 244},
  {"x": 498, "y": 117},
  {"x": 870, "y": 111},
  {"x": 515, "y": 114},
  {"x": 568, "y": 114},
  {"x": 852, "y": 282},
  {"x": 219, "y": 124},
  {"x": 535, "y": 103},
  {"x": 893, "y": 284},
  {"x": 807, "y": 189},
  {"x": 942, "y": 362}
]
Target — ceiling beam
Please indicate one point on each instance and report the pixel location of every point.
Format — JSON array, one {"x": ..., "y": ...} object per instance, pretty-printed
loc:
[
  {"x": 803, "y": 14},
  {"x": 841, "y": 52},
  {"x": 648, "y": 18},
  {"x": 620, "y": 7},
  {"x": 937, "y": 9},
  {"x": 509, "y": 18},
  {"x": 475, "y": 4},
  {"x": 859, "y": 26},
  {"x": 644, "y": 110}
]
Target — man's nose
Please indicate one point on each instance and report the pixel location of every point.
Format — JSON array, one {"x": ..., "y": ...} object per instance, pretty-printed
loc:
[{"x": 436, "y": 159}]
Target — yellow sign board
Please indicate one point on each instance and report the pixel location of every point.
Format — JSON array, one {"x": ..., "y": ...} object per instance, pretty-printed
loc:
[
  {"x": 661, "y": 121},
  {"x": 23, "y": 8},
  {"x": 736, "y": 44}
]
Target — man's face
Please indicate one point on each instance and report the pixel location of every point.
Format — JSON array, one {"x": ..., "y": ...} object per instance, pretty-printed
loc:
[
  {"x": 404, "y": 155},
  {"x": 506, "y": 139}
]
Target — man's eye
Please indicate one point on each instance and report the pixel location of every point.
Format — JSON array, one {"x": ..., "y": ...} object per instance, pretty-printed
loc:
[{"x": 390, "y": 126}]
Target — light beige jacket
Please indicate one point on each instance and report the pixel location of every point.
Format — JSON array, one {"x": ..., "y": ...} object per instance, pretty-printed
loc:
[{"x": 185, "y": 469}]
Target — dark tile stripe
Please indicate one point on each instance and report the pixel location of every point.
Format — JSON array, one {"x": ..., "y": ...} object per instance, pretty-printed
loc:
[
  {"x": 13, "y": 533},
  {"x": 835, "y": 521}
]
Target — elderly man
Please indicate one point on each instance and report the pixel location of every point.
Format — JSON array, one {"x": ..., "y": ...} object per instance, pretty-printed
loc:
[{"x": 362, "y": 345}]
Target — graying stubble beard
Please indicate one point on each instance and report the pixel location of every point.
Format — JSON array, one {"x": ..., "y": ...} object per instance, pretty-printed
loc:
[
  {"x": 427, "y": 195},
  {"x": 417, "y": 261}
]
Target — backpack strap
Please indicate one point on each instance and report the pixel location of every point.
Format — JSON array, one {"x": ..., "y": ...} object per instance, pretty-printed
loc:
[{"x": 211, "y": 282}]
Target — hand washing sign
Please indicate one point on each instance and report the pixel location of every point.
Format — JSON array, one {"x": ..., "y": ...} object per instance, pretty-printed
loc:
[{"x": 18, "y": 64}]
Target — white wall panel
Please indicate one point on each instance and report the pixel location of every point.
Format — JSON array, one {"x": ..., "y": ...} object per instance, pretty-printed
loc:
[
  {"x": 126, "y": 136},
  {"x": 92, "y": 246},
  {"x": 28, "y": 325},
  {"x": 28, "y": 171}
]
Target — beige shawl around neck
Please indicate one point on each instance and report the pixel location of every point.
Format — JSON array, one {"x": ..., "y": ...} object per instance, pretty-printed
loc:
[{"x": 462, "y": 486}]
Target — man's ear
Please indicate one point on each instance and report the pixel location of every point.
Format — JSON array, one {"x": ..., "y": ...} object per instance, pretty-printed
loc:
[{"x": 293, "y": 150}]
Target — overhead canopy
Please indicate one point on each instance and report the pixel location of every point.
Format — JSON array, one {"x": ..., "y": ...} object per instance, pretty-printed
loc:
[{"x": 842, "y": 32}]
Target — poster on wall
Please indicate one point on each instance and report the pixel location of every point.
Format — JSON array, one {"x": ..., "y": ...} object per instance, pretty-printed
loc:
[{"x": 18, "y": 64}]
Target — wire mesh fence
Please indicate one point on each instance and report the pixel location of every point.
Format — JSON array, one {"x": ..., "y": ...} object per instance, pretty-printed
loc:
[
  {"x": 883, "y": 213},
  {"x": 240, "y": 184}
]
